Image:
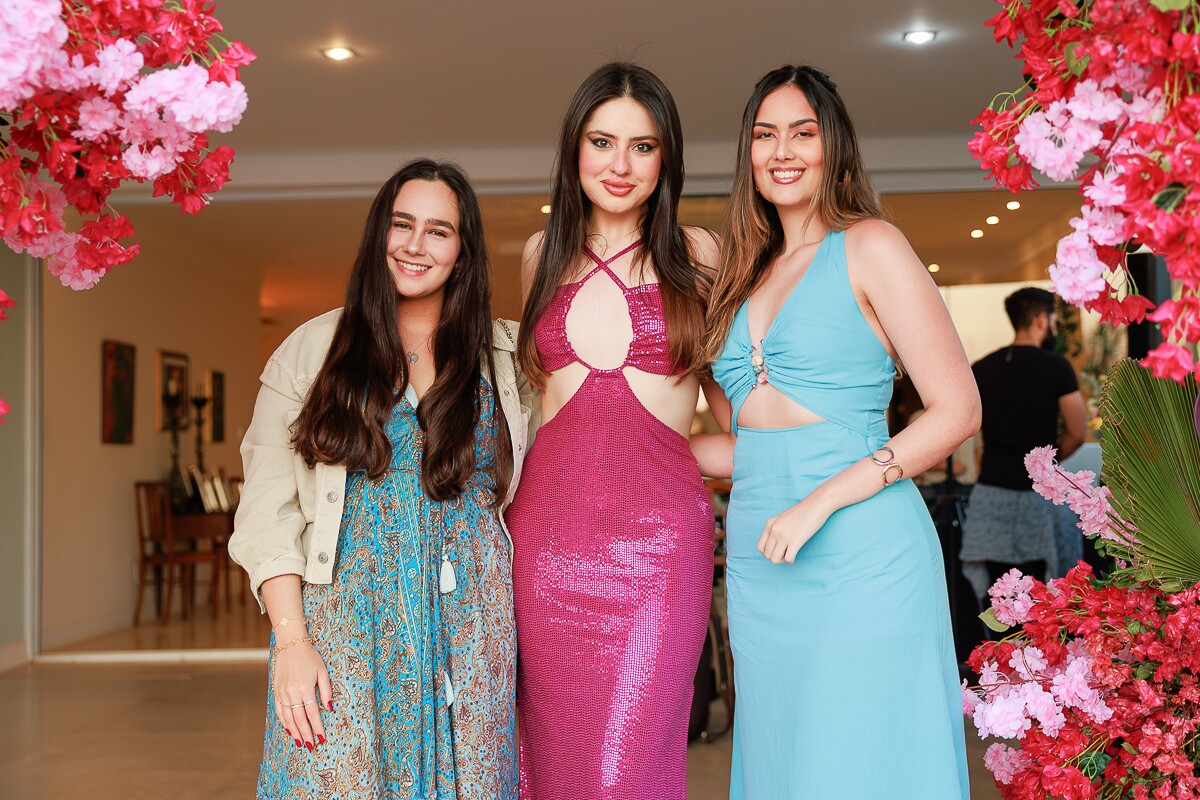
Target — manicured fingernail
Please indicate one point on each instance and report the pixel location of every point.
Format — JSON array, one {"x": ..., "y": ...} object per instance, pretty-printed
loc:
[
  {"x": 320, "y": 739},
  {"x": 309, "y": 746},
  {"x": 329, "y": 705},
  {"x": 298, "y": 745}
]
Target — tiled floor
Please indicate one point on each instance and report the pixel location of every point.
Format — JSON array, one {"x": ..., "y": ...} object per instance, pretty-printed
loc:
[
  {"x": 181, "y": 731},
  {"x": 239, "y": 626},
  {"x": 193, "y": 730}
]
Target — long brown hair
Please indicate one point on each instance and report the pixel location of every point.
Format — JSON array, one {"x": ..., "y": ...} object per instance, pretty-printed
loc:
[
  {"x": 344, "y": 417},
  {"x": 681, "y": 282},
  {"x": 753, "y": 233}
]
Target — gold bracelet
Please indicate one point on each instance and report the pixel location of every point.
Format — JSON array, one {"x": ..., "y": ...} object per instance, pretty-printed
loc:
[
  {"x": 279, "y": 648},
  {"x": 890, "y": 466},
  {"x": 285, "y": 621}
]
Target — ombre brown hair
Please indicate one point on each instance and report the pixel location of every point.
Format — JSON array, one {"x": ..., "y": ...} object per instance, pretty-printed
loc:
[
  {"x": 344, "y": 418},
  {"x": 682, "y": 283},
  {"x": 753, "y": 233}
]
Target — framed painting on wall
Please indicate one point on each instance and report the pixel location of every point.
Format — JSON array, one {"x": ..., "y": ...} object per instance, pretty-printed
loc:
[
  {"x": 117, "y": 361},
  {"x": 214, "y": 387},
  {"x": 172, "y": 389}
]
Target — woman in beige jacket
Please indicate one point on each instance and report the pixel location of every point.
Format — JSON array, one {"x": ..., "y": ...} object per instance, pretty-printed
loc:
[{"x": 386, "y": 440}]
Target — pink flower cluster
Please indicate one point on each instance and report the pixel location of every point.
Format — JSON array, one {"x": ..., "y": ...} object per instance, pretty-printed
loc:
[
  {"x": 1100, "y": 685},
  {"x": 1117, "y": 80},
  {"x": 32, "y": 34},
  {"x": 1029, "y": 690},
  {"x": 99, "y": 93},
  {"x": 1011, "y": 600},
  {"x": 1099, "y": 689},
  {"x": 1090, "y": 503}
]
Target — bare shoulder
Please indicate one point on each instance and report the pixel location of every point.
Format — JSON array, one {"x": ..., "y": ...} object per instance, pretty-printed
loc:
[
  {"x": 529, "y": 260},
  {"x": 876, "y": 237},
  {"x": 533, "y": 246},
  {"x": 704, "y": 247},
  {"x": 876, "y": 251}
]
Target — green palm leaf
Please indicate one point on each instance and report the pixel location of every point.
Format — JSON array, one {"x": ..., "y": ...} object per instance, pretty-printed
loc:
[{"x": 1152, "y": 466}]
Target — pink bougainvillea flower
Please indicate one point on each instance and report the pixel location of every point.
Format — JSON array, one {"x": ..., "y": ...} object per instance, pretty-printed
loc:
[
  {"x": 1055, "y": 142},
  {"x": 117, "y": 65},
  {"x": 6, "y": 303},
  {"x": 1011, "y": 598},
  {"x": 31, "y": 32},
  {"x": 1180, "y": 319},
  {"x": 1005, "y": 762},
  {"x": 97, "y": 117},
  {"x": 1077, "y": 272},
  {"x": 1169, "y": 360},
  {"x": 5, "y": 408},
  {"x": 1103, "y": 225},
  {"x": 1104, "y": 190}
]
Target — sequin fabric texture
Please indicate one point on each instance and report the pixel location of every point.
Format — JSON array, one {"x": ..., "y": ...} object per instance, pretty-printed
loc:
[
  {"x": 612, "y": 576},
  {"x": 398, "y": 649}
]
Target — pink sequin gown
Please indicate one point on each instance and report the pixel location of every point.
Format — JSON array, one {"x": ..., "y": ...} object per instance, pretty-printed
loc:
[{"x": 612, "y": 577}]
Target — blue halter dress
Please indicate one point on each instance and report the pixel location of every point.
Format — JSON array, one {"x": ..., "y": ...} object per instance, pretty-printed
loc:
[{"x": 843, "y": 661}]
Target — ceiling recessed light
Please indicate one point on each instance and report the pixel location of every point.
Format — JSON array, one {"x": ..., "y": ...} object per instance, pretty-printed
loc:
[
  {"x": 977, "y": 234},
  {"x": 992, "y": 220},
  {"x": 338, "y": 53},
  {"x": 919, "y": 37},
  {"x": 545, "y": 209},
  {"x": 1013, "y": 205},
  {"x": 934, "y": 268}
]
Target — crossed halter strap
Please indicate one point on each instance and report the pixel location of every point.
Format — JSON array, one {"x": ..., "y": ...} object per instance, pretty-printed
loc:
[{"x": 603, "y": 264}]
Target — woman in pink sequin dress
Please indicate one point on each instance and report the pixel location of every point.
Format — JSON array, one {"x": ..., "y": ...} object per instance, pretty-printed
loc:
[{"x": 611, "y": 524}]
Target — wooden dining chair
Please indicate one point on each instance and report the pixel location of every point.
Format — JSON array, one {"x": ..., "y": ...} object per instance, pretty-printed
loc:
[
  {"x": 233, "y": 571},
  {"x": 171, "y": 561}
]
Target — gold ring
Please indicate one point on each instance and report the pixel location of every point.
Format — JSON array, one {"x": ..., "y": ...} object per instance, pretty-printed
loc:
[
  {"x": 298, "y": 705},
  {"x": 309, "y": 703}
]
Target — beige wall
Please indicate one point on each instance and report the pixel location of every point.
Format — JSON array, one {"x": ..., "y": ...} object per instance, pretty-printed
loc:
[
  {"x": 16, "y": 445},
  {"x": 167, "y": 298}
]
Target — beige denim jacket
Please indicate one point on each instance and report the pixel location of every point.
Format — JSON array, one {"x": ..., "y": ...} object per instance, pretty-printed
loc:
[{"x": 288, "y": 518}]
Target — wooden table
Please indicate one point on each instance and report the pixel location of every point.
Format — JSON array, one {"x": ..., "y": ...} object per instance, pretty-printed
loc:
[{"x": 215, "y": 528}]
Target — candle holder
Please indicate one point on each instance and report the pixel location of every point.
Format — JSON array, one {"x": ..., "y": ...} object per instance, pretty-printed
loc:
[
  {"x": 199, "y": 401},
  {"x": 179, "y": 493}
]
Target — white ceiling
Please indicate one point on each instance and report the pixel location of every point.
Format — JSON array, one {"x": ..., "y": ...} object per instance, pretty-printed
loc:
[
  {"x": 487, "y": 83},
  {"x": 477, "y": 74}
]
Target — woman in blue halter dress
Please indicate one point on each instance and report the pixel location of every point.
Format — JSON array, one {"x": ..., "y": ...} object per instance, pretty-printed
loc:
[{"x": 843, "y": 661}]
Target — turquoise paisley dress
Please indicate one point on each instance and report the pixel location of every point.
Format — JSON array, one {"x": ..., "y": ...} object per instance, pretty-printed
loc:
[{"x": 423, "y": 679}]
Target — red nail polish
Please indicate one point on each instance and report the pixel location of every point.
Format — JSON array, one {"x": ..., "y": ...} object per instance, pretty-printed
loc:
[
  {"x": 298, "y": 744},
  {"x": 309, "y": 746},
  {"x": 320, "y": 739},
  {"x": 329, "y": 705}
]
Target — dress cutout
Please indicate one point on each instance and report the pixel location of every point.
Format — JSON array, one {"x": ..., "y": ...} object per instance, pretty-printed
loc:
[{"x": 612, "y": 577}]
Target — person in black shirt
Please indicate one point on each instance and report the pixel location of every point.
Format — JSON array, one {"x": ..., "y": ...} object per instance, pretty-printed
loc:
[{"x": 1026, "y": 389}]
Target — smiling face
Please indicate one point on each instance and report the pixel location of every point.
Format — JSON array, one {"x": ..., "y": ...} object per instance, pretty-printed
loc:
[
  {"x": 619, "y": 156},
  {"x": 786, "y": 153},
  {"x": 423, "y": 244}
]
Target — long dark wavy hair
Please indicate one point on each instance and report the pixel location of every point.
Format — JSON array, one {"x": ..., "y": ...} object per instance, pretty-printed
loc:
[
  {"x": 753, "y": 233},
  {"x": 343, "y": 419},
  {"x": 681, "y": 282}
]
